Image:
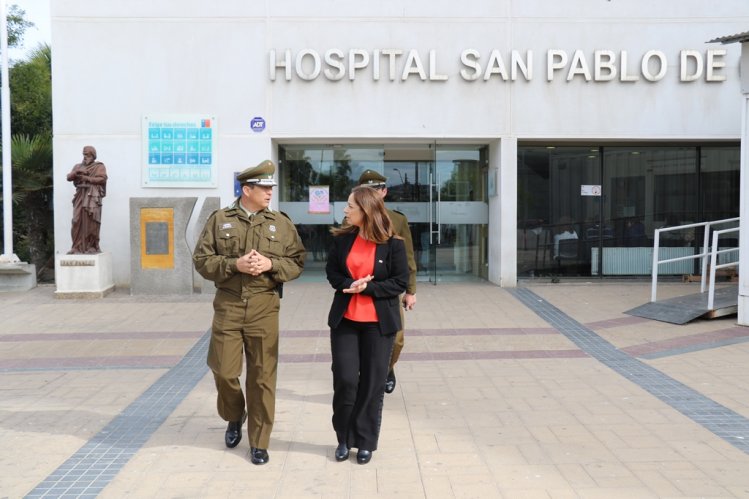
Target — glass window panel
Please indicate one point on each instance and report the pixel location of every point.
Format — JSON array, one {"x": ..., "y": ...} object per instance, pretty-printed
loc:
[
  {"x": 338, "y": 167},
  {"x": 554, "y": 217},
  {"x": 643, "y": 187},
  {"x": 720, "y": 172}
]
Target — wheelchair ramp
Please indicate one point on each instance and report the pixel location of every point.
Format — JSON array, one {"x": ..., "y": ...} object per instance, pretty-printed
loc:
[{"x": 683, "y": 309}]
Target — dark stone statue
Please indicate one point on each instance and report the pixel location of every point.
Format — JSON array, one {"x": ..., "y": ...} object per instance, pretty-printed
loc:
[{"x": 90, "y": 180}]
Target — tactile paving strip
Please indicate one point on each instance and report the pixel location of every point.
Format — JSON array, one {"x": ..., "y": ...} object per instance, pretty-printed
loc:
[
  {"x": 722, "y": 421},
  {"x": 93, "y": 466}
]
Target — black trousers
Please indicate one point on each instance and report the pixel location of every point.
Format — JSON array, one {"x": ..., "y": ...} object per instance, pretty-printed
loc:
[{"x": 361, "y": 356}]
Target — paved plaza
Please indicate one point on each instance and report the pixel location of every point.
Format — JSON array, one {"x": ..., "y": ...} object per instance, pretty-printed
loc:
[{"x": 542, "y": 391}]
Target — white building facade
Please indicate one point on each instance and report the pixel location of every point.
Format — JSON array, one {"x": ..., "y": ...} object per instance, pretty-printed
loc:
[{"x": 497, "y": 123}]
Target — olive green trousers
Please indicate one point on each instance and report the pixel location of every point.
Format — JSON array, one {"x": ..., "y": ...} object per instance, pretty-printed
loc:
[
  {"x": 248, "y": 327},
  {"x": 399, "y": 341}
]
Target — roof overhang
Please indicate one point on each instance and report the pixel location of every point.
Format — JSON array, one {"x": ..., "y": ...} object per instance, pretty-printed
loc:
[
  {"x": 737, "y": 38},
  {"x": 743, "y": 39}
]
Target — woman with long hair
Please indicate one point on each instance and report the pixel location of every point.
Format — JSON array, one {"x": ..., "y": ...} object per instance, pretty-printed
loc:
[{"x": 368, "y": 269}]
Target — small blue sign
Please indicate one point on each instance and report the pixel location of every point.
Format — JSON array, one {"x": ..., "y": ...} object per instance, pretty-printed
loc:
[
  {"x": 257, "y": 124},
  {"x": 237, "y": 186}
]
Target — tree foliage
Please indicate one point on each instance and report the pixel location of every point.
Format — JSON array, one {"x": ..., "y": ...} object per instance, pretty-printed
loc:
[
  {"x": 17, "y": 25},
  {"x": 31, "y": 93},
  {"x": 32, "y": 165},
  {"x": 31, "y": 148},
  {"x": 33, "y": 228}
]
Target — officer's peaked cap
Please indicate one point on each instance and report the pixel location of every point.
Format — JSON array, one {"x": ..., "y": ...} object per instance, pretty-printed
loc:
[
  {"x": 261, "y": 174},
  {"x": 372, "y": 179}
]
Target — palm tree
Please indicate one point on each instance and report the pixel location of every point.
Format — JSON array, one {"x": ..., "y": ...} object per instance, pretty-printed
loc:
[
  {"x": 32, "y": 195},
  {"x": 31, "y": 151}
]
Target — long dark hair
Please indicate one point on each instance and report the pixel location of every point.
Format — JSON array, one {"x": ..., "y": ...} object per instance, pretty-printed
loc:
[{"x": 376, "y": 225}]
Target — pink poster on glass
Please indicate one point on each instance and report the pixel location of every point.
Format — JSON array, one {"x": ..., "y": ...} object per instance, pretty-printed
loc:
[{"x": 319, "y": 199}]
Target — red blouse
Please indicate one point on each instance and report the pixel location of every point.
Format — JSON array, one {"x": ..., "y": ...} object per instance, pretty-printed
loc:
[{"x": 360, "y": 263}]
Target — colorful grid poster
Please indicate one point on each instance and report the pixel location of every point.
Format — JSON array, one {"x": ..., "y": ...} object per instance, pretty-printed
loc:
[{"x": 179, "y": 151}]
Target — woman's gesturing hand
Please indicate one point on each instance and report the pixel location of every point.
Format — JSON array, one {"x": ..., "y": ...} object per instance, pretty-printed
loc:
[{"x": 358, "y": 285}]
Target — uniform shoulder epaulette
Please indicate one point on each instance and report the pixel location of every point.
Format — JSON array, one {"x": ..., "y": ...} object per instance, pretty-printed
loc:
[
  {"x": 234, "y": 204},
  {"x": 287, "y": 216}
]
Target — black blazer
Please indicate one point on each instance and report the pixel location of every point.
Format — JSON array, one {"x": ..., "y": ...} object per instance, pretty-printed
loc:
[{"x": 390, "y": 279}]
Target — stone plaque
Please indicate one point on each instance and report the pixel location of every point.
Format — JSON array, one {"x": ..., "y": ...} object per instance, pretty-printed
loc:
[{"x": 157, "y": 238}]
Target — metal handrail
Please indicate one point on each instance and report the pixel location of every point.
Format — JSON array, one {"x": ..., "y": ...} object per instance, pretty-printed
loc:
[
  {"x": 713, "y": 263},
  {"x": 704, "y": 254}
]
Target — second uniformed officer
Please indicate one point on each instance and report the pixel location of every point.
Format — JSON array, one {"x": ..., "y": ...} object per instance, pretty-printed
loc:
[
  {"x": 248, "y": 251},
  {"x": 377, "y": 181}
]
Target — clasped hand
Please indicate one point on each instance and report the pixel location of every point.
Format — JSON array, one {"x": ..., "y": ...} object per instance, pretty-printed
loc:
[
  {"x": 254, "y": 263},
  {"x": 359, "y": 285}
]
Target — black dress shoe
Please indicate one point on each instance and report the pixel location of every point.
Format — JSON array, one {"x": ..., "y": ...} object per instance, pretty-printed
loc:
[
  {"x": 363, "y": 456},
  {"x": 234, "y": 432},
  {"x": 341, "y": 452},
  {"x": 259, "y": 456},
  {"x": 390, "y": 382}
]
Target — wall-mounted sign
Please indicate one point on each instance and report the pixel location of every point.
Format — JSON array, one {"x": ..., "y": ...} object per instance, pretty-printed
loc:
[
  {"x": 506, "y": 65},
  {"x": 257, "y": 124},
  {"x": 319, "y": 199},
  {"x": 179, "y": 151},
  {"x": 590, "y": 190},
  {"x": 157, "y": 238},
  {"x": 237, "y": 186}
]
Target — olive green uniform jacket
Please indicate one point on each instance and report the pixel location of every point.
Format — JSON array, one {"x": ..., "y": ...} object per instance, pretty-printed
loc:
[
  {"x": 400, "y": 227},
  {"x": 229, "y": 234}
]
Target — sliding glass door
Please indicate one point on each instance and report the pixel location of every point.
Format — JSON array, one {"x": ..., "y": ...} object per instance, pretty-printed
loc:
[{"x": 440, "y": 188}]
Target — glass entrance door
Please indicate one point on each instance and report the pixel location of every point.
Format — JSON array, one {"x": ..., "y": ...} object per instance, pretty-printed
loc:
[{"x": 440, "y": 188}]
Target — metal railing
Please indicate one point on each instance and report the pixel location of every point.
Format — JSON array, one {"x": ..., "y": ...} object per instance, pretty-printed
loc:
[
  {"x": 708, "y": 251},
  {"x": 714, "y": 265}
]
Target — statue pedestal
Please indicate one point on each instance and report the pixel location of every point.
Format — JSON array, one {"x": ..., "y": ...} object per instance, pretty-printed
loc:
[
  {"x": 83, "y": 276},
  {"x": 19, "y": 276}
]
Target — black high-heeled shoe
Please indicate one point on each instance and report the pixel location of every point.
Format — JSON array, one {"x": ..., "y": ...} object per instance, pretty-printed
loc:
[
  {"x": 341, "y": 452},
  {"x": 363, "y": 456}
]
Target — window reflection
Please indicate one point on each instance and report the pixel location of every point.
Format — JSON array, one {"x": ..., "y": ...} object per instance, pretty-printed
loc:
[
  {"x": 440, "y": 188},
  {"x": 642, "y": 188}
]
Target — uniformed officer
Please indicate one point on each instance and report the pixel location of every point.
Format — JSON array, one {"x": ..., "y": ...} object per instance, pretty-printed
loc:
[
  {"x": 400, "y": 226},
  {"x": 248, "y": 251}
]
